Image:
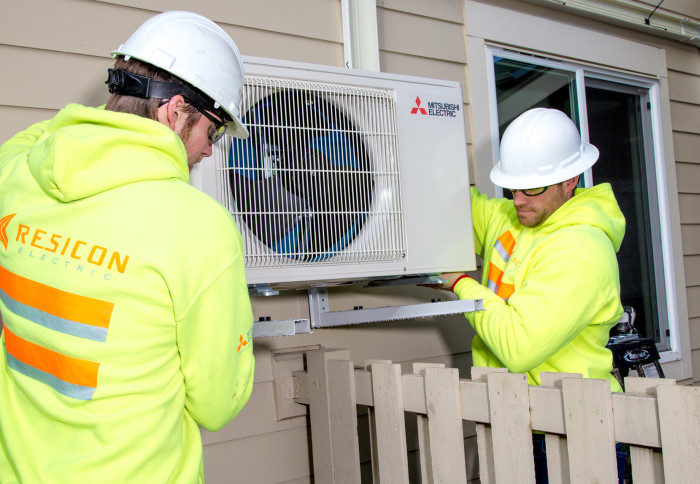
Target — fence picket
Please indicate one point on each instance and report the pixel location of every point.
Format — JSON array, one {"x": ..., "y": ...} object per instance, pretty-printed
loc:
[
  {"x": 589, "y": 427},
  {"x": 323, "y": 428},
  {"x": 343, "y": 414},
  {"x": 426, "y": 463},
  {"x": 647, "y": 463},
  {"x": 390, "y": 431},
  {"x": 371, "y": 421},
  {"x": 484, "y": 439},
  {"x": 510, "y": 428},
  {"x": 679, "y": 418},
  {"x": 557, "y": 448},
  {"x": 446, "y": 438}
]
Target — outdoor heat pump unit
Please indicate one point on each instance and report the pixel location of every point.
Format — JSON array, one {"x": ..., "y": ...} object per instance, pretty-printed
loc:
[{"x": 347, "y": 176}]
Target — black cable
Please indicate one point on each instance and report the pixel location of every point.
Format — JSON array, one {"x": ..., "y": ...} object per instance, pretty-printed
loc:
[{"x": 648, "y": 19}]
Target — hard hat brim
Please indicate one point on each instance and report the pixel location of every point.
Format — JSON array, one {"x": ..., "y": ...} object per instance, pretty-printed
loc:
[
  {"x": 558, "y": 174},
  {"x": 236, "y": 129}
]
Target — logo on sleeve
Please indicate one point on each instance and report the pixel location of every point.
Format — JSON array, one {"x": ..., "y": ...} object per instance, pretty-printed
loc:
[
  {"x": 4, "y": 222},
  {"x": 244, "y": 340},
  {"x": 242, "y": 343}
]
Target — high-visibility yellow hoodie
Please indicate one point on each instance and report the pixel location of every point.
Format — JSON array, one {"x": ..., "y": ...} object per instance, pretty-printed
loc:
[
  {"x": 552, "y": 292},
  {"x": 126, "y": 315}
]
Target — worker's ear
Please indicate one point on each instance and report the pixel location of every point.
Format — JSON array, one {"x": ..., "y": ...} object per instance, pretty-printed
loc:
[
  {"x": 570, "y": 184},
  {"x": 170, "y": 112}
]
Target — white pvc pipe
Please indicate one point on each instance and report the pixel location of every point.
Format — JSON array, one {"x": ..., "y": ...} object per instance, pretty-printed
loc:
[{"x": 360, "y": 34}]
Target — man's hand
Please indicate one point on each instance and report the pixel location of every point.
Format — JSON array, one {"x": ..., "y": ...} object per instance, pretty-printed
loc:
[{"x": 450, "y": 279}]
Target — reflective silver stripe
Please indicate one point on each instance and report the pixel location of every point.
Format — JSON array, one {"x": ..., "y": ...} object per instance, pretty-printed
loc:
[
  {"x": 501, "y": 251},
  {"x": 68, "y": 389},
  {"x": 50, "y": 321},
  {"x": 493, "y": 286}
]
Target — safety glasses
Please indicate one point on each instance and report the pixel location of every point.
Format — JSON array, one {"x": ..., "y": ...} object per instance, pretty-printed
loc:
[
  {"x": 217, "y": 128},
  {"x": 530, "y": 192}
]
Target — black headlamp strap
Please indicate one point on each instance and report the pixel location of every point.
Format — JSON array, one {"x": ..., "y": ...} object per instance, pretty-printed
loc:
[{"x": 128, "y": 84}]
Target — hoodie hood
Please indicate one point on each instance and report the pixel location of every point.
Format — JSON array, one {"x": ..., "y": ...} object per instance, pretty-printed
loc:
[
  {"x": 594, "y": 206},
  {"x": 86, "y": 151}
]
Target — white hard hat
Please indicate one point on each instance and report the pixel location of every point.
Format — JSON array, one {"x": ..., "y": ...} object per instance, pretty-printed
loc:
[
  {"x": 541, "y": 147},
  {"x": 196, "y": 50}
]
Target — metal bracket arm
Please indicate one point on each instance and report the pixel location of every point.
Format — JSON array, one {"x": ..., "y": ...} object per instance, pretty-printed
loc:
[
  {"x": 280, "y": 327},
  {"x": 322, "y": 317}
]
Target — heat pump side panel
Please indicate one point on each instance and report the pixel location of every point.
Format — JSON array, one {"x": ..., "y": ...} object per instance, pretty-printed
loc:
[{"x": 435, "y": 178}]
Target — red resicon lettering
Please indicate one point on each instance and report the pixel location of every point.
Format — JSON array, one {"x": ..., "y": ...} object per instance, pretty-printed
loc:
[{"x": 417, "y": 109}]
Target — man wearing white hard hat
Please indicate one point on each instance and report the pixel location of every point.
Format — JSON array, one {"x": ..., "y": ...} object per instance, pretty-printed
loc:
[
  {"x": 550, "y": 283},
  {"x": 127, "y": 322}
]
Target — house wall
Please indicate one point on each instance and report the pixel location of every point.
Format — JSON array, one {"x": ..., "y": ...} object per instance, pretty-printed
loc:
[{"x": 57, "y": 51}]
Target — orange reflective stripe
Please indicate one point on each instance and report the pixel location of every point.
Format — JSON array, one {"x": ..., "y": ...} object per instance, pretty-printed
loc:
[
  {"x": 507, "y": 241},
  {"x": 504, "y": 245},
  {"x": 65, "y": 368},
  {"x": 53, "y": 301},
  {"x": 505, "y": 290},
  {"x": 495, "y": 274},
  {"x": 504, "y": 248},
  {"x": 501, "y": 289}
]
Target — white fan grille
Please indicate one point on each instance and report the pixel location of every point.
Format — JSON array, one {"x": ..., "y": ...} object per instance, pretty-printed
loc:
[{"x": 318, "y": 180}]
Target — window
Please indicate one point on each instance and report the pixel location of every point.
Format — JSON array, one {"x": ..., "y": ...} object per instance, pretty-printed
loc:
[{"x": 614, "y": 112}]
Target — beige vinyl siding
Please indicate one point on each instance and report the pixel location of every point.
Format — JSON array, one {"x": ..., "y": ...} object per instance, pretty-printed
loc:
[
  {"x": 423, "y": 39},
  {"x": 303, "y": 31},
  {"x": 427, "y": 39},
  {"x": 449, "y": 10},
  {"x": 693, "y": 293},
  {"x": 72, "y": 26},
  {"x": 687, "y": 146},
  {"x": 419, "y": 36},
  {"x": 57, "y": 52},
  {"x": 266, "y": 458},
  {"x": 62, "y": 55},
  {"x": 691, "y": 239},
  {"x": 317, "y": 19},
  {"x": 49, "y": 80},
  {"x": 684, "y": 89}
]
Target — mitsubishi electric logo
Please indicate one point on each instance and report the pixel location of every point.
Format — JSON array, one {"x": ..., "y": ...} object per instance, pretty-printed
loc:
[
  {"x": 436, "y": 108},
  {"x": 417, "y": 108},
  {"x": 4, "y": 222}
]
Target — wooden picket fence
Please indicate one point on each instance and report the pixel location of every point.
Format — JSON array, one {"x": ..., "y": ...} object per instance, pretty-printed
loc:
[{"x": 581, "y": 420}]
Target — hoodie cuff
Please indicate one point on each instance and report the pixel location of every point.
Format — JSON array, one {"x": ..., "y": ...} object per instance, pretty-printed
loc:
[{"x": 459, "y": 279}]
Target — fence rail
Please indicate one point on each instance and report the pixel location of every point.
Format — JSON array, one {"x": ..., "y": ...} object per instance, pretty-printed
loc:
[{"x": 580, "y": 417}]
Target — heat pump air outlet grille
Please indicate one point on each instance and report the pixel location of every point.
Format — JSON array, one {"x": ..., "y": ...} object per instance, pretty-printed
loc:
[{"x": 317, "y": 181}]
